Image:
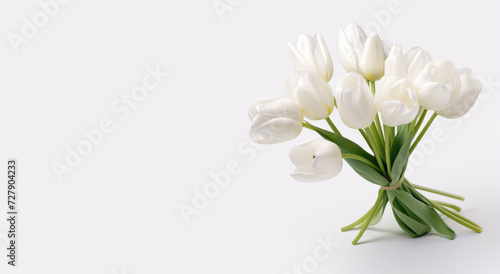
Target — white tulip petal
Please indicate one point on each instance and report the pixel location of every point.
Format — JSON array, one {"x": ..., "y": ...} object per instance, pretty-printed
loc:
[
  {"x": 327, "y": 65},
  {"x": 373, "y": 58},
  {"x": 312, "y": 94},
  {"x": 433, "y": 96},
  {"x": 316, "y": 160},
  {"x": 298, "y": 60},
  {"x": 395, "y": 113},
  {"x": 274, "y": 120},
  {"x": 311, "y": 55}
]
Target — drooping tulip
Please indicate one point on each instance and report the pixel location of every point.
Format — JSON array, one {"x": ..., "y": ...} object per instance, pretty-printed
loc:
[
  {"x": 363, "y": 55},
  {"x": 274, "y": 120},
  {"x": 396, "y": 101},
  {"x": 436, "y": 84},
  {"x": 461, "y": 102},
  {"x": 316, "y": 160},
  {"x": 312, "y": 94},
  {"x": 355, "y": 101},
  {"x": 311, "y": 54}
]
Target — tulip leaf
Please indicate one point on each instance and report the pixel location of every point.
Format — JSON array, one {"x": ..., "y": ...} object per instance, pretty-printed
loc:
[
  {"x": 423, "y": 211},
  {"x": 401, "y": 161},
  {"x": 407, "y": 220},
  {"x": 349, "y": 147},
  {"x": 367, "y": 172},
  {"x": 345, "y": 145},
  {"x": 380, "y": 210},
  {"x": 399, "y": 141}
]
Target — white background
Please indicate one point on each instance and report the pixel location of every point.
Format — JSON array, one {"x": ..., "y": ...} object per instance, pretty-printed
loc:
[{"x": 118, "y": 211}]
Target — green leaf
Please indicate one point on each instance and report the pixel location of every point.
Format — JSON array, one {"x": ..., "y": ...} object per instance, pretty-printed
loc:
[
  {"x": 425, "y": 212},
  {"x": 346, "y": 145},
  {"x": 409, "y": 222},
  {"x": 367, "y": 172},
  {"x": 380, "y": 210},
  {"x": 401, "y": 161},
  {"x": 349, "y": 147},
  {"x": 399, "y": 141}
]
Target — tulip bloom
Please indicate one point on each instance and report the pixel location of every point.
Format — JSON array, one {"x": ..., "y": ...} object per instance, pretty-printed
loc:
[
  {"x": 461, "y": 102},
  {"x": 313, "y": 94},
  {"x": 316, "y": 160},
  {"x": 415, "y": 60},
  {"x": 311, "y": 54},
  {"x": 408, "y": 65},
  {"x": 436, "y": 84},
  {"x": 355, "y": 101},
  {"x": 396, "y": 100},
  {"x": 275, "y": 120},
  {"x": 365, "y": 56}
]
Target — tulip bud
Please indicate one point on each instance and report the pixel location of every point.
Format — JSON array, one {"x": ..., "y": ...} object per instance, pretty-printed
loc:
[
  {"x": 362, "y": 55},
  {"x": 373, "y": 58},
  {"x": 436, "y": 84},
  {"x": 316, "y": 160},
  {"x": 313, "y": 94},
  {"x": 460, "y": 103},
  {"x": 275, "y": 120},
  {"x": 311, "y": 54},
  {"x": 351, "y": 43},
  {"x": 396, "y": 100},
  {"x": 355, "y": 101}
]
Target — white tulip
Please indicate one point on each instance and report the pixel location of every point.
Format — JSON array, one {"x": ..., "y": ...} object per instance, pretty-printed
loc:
[
  {"x": 355, "y": 101},
  {"x": 373, "y": 58},
  {"x": 311, "y": 54},
  {"x": 436, "y": 84},
  {"x": 351, "y": 43},
  {"x": 313, "y": 94},
  {"x": 396, "y": 101},
  {"x": 460, "y": 103},
  {"x": 316, "y": 160},
  {"x": 408, "y": 65},
  {"x": 275, "y": 120},
  {"x": 365, "y": 56},
  {"x": 415, "y": 60}
]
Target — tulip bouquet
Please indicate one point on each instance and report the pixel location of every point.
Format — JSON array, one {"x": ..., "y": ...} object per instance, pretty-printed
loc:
[{"x": 386, "y": 95}]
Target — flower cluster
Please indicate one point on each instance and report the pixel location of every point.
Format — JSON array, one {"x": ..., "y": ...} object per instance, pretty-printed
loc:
[{"x": 385, "y": 95}]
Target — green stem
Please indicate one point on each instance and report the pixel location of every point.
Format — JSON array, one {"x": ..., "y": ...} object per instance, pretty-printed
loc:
[
  {"x": 412, "y": 126},
  {"x": 353, "y": 225},
  {"x": 450, "y": 214},
  {"x": 377, "y": 119},
  {"x": 375, "y": 135},
  {"x": 366, "y": 139},
  {"x": 448, "y": 205},
  {"x": 387, "y": 149},
  {"x": 420, "y": 121},
  {"x": 422, "y": 133},
  {"x": 458, "y": 218},
  {"x": 369, "y": 134},
  {"x": 369, "y": 217},
  {"x": 361, "y": 159},
  {"x": 439, "y": 192},
  {"x": 334, "y": 128}
]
